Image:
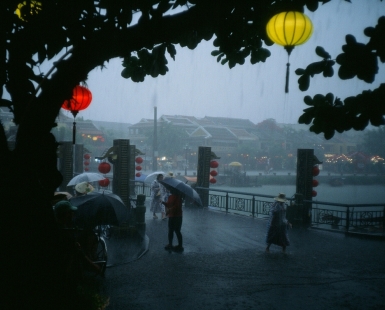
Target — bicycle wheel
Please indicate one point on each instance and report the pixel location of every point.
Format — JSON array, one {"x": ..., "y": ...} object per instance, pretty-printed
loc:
[{"x": 101, "y": 251}]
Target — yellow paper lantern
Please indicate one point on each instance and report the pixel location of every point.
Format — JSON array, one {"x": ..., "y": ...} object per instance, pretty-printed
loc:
[
  {"x": 289, "y": 29},
  {"x": 34, "y": 8}
]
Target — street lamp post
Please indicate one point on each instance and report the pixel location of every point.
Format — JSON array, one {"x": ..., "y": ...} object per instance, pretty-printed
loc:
[{"x": 186, "y": 148}]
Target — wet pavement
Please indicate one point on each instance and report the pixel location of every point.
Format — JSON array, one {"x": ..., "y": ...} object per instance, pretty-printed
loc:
[{"x": 224, "y": 266}]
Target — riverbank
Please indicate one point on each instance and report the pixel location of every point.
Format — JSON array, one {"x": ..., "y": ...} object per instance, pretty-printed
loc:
[
  {"x": 289, "y": 178},
  {"x": 349, "y": 194}
]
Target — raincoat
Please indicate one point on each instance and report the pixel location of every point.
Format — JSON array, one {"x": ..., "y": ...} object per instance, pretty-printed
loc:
[{"x": 277, "y": 225}]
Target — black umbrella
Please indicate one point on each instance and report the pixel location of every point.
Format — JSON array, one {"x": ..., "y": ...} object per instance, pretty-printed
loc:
[
  {"x": 96, "y": 209},
  {"x": 182, "y": 187}
]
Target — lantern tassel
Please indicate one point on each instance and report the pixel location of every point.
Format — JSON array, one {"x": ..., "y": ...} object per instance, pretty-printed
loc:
[
  {"x": 74, "y": 133},
  {"x": 287, "y": 78}
]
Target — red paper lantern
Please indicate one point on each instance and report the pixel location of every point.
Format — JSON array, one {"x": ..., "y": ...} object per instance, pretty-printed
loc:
[
  {"x": 81, "y": 99},
  {"x": 139, "y": 160},
  {"x": 138, "y": 168},
  {"x": 86, "y": 169},
  {"x": 138, "y": 174},
  {"x": 86, "y": 156},
  {"x": 213, "y": 181},
  {"x": 213, "y": 173},
  {"x": 315, "y": 183},
  {"x": 104, "y": 167},
  {"x": 86, "y": 163},
  {"x": 214, "y": 164},
  {"x": 313, "y": 193},
  {"x": 104, "y": 183},
  {"x": 315, "y": 171}
]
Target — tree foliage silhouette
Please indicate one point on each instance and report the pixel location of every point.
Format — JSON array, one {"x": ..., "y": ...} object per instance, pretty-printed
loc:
[{"x": 76, "y": 36}]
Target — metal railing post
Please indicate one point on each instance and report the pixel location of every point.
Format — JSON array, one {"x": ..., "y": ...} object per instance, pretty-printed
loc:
[
  {"x": 227, "y": 202},
  {"x": 347, "y": 219},
  {"x": 253, "y": 208}
]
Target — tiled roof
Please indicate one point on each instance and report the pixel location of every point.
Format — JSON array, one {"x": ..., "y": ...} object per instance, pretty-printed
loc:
[
  {"x": 243, "y": 134},
  {"x": 111, "y": 125},
  {"x": 230, "y": 122},
  {"x": 84, "y": 127},
  {"x": 221, "y": 133}
]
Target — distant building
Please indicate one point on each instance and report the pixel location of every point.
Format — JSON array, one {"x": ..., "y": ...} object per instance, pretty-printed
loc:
[{"x": 225, "y": 135}]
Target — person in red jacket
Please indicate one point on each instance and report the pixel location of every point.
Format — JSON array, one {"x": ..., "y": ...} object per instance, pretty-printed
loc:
[{"x": 174, "y": 213}]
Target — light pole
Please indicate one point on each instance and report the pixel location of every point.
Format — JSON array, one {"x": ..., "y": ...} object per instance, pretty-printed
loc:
[{"x": 186, "y": 148}]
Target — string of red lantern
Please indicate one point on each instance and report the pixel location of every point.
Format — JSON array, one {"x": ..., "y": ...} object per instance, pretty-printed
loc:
[
  {"x": 315, "y": 183},
  {"x": 138, "y": 168},
  {"x": 213, "y": 165},
  {"x": 86, "y": 161},
  {"x": 104, "y": 168}
]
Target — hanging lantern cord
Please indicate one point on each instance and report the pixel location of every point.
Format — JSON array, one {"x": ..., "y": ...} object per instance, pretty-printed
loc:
[
  {"x": 73, "y": 132},
  {"x": 74, "y": 113},
  {"x": 287, "y": 77},
  {"x": 288, "y": 49}
]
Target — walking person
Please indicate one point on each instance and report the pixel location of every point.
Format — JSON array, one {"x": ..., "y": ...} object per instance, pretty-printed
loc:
[
  {"x": 175, "y": 216},
  {"x": 165, "y": 193},
  {"x": 156, "y": 196},
  {"x": 277, "y": 225}
]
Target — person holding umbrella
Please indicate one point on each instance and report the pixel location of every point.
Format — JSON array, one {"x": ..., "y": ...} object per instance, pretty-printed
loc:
[{"x": 175, "y": 216}]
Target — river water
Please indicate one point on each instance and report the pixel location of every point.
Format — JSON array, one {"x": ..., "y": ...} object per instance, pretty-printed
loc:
[{"x": 347, "y": 194}]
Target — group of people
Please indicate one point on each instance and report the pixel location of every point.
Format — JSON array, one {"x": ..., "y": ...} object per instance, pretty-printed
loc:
[{"x": 168, "y": 202}]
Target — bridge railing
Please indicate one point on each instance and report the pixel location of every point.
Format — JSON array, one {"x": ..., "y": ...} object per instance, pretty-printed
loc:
[
  {"x": 349, "y": 218},
  {"x": 365, "y": 219}
]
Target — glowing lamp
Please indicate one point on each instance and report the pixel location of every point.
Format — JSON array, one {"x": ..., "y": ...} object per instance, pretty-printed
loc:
[
  {"x": 80, "y": 100},
  {"x": 139, "y": 160},
  {"x": 214, "y": 164},
  {"x": 104, "y": 167},
  {"x": 213, "y": 173},
  {"x": 24, "y": 10},
  {"x": 289, "y": 29}
]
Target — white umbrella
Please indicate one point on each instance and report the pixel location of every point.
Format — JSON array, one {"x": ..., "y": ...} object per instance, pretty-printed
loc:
[
  {"x": 152, "y": 176},
  {"x": 86, "y": 177}
]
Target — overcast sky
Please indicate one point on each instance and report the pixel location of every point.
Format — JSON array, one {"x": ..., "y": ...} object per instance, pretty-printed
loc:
[{"x": 196, "y": 85}]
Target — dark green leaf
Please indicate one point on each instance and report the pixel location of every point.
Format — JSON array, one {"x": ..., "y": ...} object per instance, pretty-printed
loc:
[
  {"x": 308, "y": 100},
  {"x": 320, "y": 51},
  {"x": 304, "y": 82}
]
